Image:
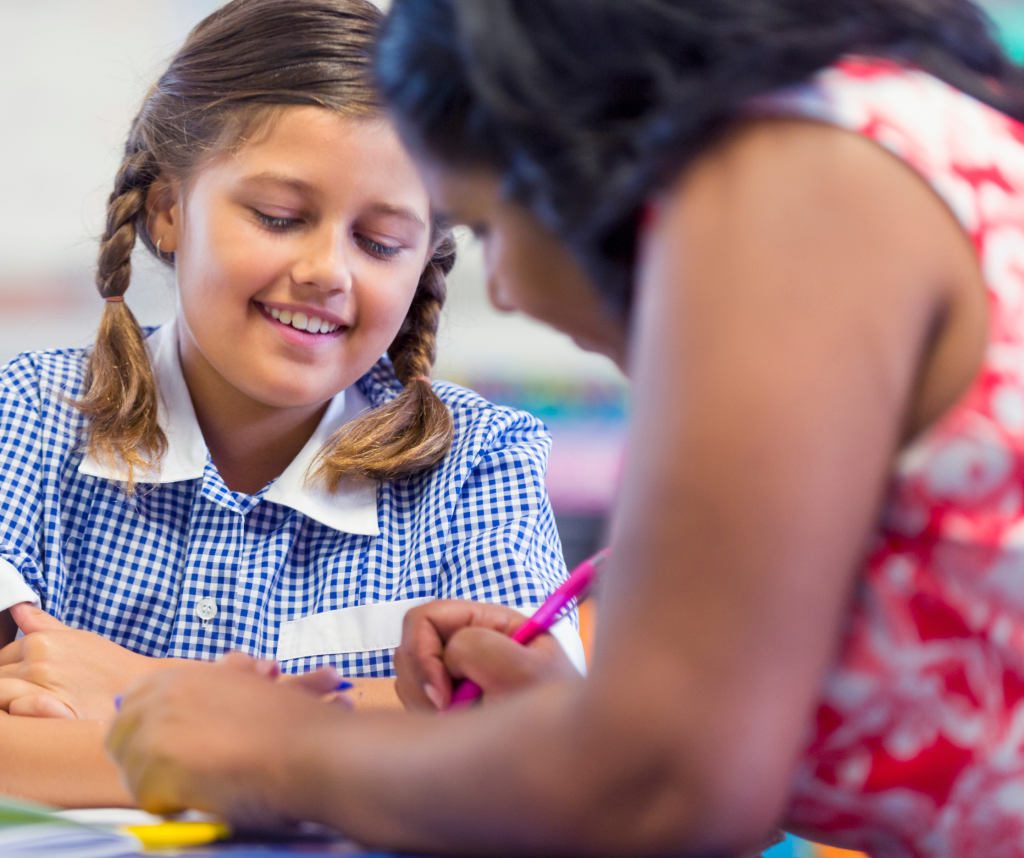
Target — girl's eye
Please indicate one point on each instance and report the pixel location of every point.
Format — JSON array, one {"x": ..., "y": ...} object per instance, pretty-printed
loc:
[
  {"x": 375, "y": 248},
  {"x": 276, "y": 224}
]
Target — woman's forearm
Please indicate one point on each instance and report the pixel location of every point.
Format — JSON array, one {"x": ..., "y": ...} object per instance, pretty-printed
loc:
[
  {"x": 632, "y": 799},
  {"x": 335, "y": 773},
  {"x": 58, "y": 762}
]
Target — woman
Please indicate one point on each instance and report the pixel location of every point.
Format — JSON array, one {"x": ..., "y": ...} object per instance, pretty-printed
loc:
[{"x": 800, "y": 228}]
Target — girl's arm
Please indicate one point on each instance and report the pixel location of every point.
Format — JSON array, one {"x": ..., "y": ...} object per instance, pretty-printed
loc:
[
  {"x": 58, "y": 762},
  {"x": 793, "y": 295},
  {"x": 57, "y": 671},
  {"x": 373, "y": 694}
]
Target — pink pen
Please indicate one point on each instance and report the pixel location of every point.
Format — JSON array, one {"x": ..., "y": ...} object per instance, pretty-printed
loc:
[{"x": 576, "y": 586}]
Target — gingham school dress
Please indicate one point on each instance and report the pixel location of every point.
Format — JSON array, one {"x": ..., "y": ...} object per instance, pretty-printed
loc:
[
  {"x": 189, "y": 569},
  {"x": 918, "y": 744}
]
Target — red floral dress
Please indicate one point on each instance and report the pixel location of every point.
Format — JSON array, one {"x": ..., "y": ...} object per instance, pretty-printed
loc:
[{"x": 918, "y": 745}]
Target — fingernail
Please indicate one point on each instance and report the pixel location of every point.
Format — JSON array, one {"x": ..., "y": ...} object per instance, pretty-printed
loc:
[
  {"x": 344, "y": 685},
  {"x": 433, "y": 695},
  {"x": 117, "y": 702}
]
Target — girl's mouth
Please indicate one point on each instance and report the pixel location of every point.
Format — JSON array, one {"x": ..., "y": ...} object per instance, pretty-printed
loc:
[{"x": 300, "y": 321}]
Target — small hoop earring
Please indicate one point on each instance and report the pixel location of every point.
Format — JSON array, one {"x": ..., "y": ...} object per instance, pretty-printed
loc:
[{"x": 160, "y": 253}]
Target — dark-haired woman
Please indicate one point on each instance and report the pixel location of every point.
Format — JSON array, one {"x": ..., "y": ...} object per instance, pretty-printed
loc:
[{"x": 800, "y": 227}]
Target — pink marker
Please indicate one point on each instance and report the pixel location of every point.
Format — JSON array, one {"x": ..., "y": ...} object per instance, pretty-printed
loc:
[{"x": 577, "y": 586}]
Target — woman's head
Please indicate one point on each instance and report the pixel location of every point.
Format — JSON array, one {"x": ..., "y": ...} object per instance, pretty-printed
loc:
[
  {"x": 261, "y": 168},
  {"x": 583, "y": 110}
]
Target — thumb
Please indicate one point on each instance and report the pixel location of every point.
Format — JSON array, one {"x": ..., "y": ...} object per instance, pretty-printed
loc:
[{"x": 30, "y": 619}]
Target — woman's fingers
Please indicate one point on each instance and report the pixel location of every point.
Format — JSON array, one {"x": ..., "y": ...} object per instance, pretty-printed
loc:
[{"x": 208, "y": 737}]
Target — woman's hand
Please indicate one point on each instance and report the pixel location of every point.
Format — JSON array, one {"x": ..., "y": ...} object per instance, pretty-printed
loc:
[
  {"x": 212, "y": 737},
  {"x": 59, "y": 672},
  {"x": 446, "y": 641}
]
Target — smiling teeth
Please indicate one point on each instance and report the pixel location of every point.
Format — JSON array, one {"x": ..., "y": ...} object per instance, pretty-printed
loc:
[{"x": 301, "y": 322}]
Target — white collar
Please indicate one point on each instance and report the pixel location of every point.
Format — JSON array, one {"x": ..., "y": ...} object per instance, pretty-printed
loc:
[{"x": 352, "y": 509}]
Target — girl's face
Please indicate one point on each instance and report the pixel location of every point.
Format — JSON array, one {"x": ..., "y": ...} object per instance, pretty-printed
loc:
[
  {"x": 528, "y": 268},
  {"x": 297, "y": 256}
]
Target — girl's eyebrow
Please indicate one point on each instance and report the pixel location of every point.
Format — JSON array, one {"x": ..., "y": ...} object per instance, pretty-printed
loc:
[
  {"x": 282, "y": 179},
  {"x": 398, "y": 211}
]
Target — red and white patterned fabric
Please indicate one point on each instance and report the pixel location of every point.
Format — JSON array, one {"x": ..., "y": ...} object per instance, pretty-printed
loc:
[{"x": 918, "y": 745}]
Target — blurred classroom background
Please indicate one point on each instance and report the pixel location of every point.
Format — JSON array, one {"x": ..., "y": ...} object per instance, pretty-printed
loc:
[{"x": 75, "y": 72}]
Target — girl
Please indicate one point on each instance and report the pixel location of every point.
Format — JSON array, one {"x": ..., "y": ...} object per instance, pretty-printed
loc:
[
  {"x": 253, "y": 475},
  {"x": 812, "y": 216}
]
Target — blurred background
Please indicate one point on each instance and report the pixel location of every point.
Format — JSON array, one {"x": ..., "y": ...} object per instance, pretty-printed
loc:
[{"x": 75, "y": 73}]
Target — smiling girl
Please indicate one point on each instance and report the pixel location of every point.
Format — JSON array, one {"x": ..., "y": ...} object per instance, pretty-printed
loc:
[{"x": 253, "y": 475}]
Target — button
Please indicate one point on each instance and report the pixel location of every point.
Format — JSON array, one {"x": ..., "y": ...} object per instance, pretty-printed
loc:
[{"x": 206, "y": 610}]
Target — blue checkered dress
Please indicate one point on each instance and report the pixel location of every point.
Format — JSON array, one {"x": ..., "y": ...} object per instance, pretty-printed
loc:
[{"x": 141, "y": 570}]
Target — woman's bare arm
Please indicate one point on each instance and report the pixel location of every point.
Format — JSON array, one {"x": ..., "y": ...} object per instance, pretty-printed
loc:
[{"x": 792, "y": 295}]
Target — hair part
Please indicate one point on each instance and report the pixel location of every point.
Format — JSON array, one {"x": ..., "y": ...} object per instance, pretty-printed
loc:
[
  {"x": 585, "y": 110},
  {"x": 236, "y": 71}
]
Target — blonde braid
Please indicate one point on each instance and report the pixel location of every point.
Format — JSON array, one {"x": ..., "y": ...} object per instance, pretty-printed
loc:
[
  {"x": 415, "y": 430},
  {"x": 121, "y": 393}
]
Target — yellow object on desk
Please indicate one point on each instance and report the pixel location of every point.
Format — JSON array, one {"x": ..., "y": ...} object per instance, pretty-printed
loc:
[{"x": 169, "y": 834}]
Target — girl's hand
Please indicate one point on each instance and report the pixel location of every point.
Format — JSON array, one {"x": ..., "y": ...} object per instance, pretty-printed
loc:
[
  {"x": 59, "y": 672},
  {"x": 216, "y": 737},
  {"x": 452, "y": 640}
]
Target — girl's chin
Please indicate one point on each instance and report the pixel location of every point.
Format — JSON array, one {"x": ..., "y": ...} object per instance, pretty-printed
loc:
[{"x": 274, "y": 386}]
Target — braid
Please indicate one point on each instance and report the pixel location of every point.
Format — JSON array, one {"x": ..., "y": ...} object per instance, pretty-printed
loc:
[
  {"x": 414, "y": 431},
  {"x": 414, "y": 349},
  {"x": 121, "y": 394}
]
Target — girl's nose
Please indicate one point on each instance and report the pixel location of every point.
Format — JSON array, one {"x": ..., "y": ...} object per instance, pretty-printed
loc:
[{"x": 324, "y": 262}]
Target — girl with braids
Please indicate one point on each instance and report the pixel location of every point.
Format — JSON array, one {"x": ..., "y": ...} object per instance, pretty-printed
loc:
[
  {"x": 253, "y": 476},
  {"x": 800, "y": 227}
]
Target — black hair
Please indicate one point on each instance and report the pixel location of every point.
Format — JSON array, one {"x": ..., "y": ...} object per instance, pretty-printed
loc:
[{"x": 585, "y": 107}]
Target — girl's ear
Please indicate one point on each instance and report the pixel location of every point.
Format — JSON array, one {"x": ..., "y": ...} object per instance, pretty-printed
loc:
[{"x": 163, "y": 213}]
